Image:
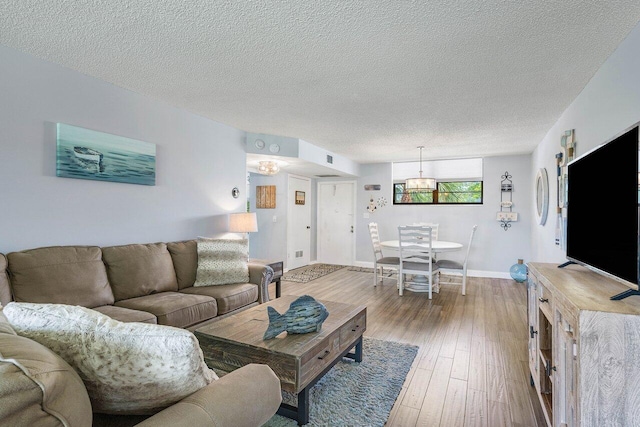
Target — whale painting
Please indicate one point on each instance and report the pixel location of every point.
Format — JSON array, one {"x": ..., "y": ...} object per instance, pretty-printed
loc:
[{"x": 89, "y": 154}]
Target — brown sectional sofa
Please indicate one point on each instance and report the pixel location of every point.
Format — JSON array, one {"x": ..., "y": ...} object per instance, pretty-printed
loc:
[
  {"x": 140, "y": 282},
  {"x": 132, "y": 283}
]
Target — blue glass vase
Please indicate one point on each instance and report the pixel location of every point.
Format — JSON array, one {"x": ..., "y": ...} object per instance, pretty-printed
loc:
[{"x": 518, "y": 272}]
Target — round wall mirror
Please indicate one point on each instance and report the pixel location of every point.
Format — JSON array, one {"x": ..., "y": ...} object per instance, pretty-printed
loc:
[{"x": 542, "y": 196}]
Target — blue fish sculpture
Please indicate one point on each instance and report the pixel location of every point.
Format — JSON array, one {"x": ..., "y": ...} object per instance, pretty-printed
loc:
[{"x": 304, "y": 315}]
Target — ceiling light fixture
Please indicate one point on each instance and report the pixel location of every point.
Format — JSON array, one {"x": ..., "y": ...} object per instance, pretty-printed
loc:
[
  {"x": 268, "y": 167},
  {"x": 420, "y": 184}
]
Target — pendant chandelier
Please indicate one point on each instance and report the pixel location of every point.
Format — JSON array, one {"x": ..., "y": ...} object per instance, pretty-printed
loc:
[
  {"x": 268, "y": 167},
  {"x": 420, "y": 184}
]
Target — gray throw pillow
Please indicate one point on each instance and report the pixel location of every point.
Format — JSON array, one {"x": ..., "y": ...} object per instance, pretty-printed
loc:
[{"x": 222, "y": 262}]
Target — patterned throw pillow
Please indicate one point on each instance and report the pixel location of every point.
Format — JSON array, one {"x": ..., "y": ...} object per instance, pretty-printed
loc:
[
  {"x": 222, "y": 262},
  {"x": 127, "y": 368}
]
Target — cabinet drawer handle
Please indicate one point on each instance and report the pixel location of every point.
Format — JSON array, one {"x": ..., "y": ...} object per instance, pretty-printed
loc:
[
  {"x": 543, "y": 299},
  {"x": 532, "y": 332},
  {"x": 356, "y": 328},
  {"x": 326, "y": 352},
  {"x": 548, "y": 368}
]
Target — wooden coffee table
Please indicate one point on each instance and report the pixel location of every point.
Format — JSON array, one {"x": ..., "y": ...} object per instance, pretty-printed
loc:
[{"x": 299, "y": 360}]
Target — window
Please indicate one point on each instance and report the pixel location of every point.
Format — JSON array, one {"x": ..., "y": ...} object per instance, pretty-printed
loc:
[
  {"x": 455, "y": 192},
  {"x": 458, "y": 181}
]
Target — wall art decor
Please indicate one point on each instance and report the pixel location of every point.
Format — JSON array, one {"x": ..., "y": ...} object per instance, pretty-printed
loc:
[
  {"x": 89, "y": 154},
  {"x": 371, "y": 207},
  {"x": 372, "y": 187},
  {"x": 506, "y": 215},
  {"x": 265, "y": 197},
  {"x": 542, "y": 195},
  {"x": 299, "y": 197},
  {"x": 567, "y": 153}
]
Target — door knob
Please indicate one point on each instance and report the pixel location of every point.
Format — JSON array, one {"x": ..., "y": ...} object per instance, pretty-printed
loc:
[{"x": 308, "y": 227}]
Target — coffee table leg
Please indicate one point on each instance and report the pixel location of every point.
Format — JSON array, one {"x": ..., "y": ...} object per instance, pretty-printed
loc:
[
  {"x": 303, "y": 406},
  {"x": 357, "y": 351},
  {"x": 358, "y": 357},
  {"x": 301, "y": 413}
]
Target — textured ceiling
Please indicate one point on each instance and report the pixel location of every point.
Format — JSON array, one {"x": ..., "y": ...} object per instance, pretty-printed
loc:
[{"x": 370, "y": 80}]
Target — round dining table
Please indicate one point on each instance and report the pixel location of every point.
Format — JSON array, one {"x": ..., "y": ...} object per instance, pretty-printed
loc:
[
  {"x": 437, "y": 246},
  {"x": 420, "y": 283}
]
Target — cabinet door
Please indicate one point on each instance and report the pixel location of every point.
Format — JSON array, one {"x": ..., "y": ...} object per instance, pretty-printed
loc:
[
  {"x": 532, "y": 314},
  {"x": 566, "y": 364}
]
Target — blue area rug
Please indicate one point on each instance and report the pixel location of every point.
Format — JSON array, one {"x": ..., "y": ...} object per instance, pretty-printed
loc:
[{"x": 357, "y": 394}]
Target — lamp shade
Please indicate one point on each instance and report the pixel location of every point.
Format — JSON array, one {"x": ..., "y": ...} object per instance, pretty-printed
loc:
[
  {"x": 420, "y": 184},
  {"x": 426, "y": 184},
  {"x": 244, "y": 222}
]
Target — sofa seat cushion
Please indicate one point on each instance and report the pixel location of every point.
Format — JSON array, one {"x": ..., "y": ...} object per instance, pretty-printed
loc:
[
  {"x": 137, "y": 270},
  {"x": 185, "y": 261},
  {"x": 229, "y": 297},
  {"x": 174, "y": 308},
  {"x": 126, "y": 314},
  {"x": 127, "y": 368},
  {"x": 72, "y": 275},
  {"x": 222, "y": 262},
  {"x": 38, "y": 387}
]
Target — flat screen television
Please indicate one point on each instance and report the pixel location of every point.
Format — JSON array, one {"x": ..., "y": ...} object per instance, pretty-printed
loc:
[{"x": 602, "y": 210}]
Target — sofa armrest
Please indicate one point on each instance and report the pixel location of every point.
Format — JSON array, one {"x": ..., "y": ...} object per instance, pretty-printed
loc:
[
  {"x": 261, "y": 275},
  {"x": 246, "y": 397}
]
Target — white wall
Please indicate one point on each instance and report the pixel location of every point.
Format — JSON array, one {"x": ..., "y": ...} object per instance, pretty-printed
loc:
[
  {"x": 494, "y": 250},
  {"x": 607, "y": 105},
  {"x": 270, "y": 242},
  {"x": 198, "y": 163}
]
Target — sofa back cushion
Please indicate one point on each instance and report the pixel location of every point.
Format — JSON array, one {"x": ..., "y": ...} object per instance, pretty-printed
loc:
[
  {"x": 61, "y": 274},
  {"x": 5, "y": 289},
  {"x": 185, "y": 261},
  {"x": 222, "y": 262},
  {"x": 37, "y": 387},
  {"x": 138, "y": 270},
  {"x": 127, "y": 368}
]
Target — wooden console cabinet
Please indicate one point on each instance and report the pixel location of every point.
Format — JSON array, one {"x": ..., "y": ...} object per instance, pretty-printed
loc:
[{"x": 584, "y": 349}]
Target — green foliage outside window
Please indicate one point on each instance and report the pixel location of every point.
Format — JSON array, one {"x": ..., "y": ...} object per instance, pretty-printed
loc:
[{"x": 455, "y": 192}]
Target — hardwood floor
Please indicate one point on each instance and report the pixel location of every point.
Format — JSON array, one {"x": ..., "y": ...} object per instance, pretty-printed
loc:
[{"x": 471, "y": 369}]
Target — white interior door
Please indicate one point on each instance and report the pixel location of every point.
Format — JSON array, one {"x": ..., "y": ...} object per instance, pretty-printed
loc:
[
  {"x": 298, "y": 222},
  {"x": 336, "y": 234}
]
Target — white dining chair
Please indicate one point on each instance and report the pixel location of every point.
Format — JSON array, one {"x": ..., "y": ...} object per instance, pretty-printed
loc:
[
  {"x": 379, "y": 260},
  {"x": 434, "y": 228},
  {"x": 416, "y": 252},
  {"x": 450, "y": 265},
  {"x": 434, "y": 234}
]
